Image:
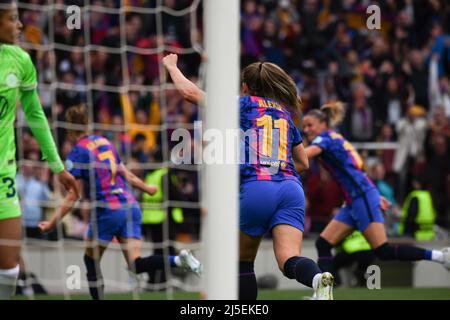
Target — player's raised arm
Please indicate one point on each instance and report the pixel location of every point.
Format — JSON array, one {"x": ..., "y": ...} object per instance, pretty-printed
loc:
[
  {"x": 68, "y": 203},
  {"x": 136, "y": 182},
  {"x": 188, "y": 90}
]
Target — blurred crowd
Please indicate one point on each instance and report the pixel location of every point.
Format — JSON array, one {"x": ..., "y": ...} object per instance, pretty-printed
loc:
[{"x": 394, "y": 81}]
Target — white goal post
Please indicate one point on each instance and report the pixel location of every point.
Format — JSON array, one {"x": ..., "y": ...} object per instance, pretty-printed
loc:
[{"x": 221, "y": 223}]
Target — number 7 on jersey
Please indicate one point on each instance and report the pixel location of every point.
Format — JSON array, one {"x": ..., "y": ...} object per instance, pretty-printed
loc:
[{"x": 108, "y": 155}]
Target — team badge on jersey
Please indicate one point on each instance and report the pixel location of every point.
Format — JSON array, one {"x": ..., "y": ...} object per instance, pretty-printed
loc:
[
  {"x": 317, "y": 140},
  {"x": 69, "y": 165},
  {"x": 11, "y": 80}
]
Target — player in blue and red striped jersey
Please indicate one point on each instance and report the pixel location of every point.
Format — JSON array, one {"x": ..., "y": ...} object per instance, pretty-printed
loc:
[
  {"x": 265, "y": 163},
  {"x": 96, "y": 165},
  {"x": 363, "y": 203},
  {"x": 271, "y": 194}
]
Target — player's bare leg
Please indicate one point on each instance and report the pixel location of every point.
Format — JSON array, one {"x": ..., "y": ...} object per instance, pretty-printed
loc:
[
  {"x": 287, "y": 243},
  {"x": 131, "y": 249},
  {"x": 375, "y": 234},
  {"x": 248, "y": 247},
  {"x": 10, "y": 239},
  {"x": 336, "y": 231}
]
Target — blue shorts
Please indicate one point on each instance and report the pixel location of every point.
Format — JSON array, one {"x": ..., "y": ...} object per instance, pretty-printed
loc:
[
  {"x": 123, "y": 223},
  {"x": 363, "y": 210},
  {"x": 265, "y": 204}
]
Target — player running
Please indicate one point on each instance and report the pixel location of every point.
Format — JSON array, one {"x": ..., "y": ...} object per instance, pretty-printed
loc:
[
  {"x": 271, "y": 194},
  {"x": 96, "y": 165},
  {"x": 18, "y": 80},
  {"x": 363, "y": 204}
]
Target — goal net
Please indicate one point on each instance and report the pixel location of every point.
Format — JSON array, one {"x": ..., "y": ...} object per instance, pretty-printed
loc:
[{"x": 107, "y": 55}]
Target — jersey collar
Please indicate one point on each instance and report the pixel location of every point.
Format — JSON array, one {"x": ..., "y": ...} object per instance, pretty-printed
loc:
[{"x": 82, "y": 137}]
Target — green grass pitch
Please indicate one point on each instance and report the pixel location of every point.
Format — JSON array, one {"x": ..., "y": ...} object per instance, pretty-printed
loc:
[{"x": 339, "y": 294}]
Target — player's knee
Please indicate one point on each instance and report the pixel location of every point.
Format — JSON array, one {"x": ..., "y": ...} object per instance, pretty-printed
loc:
[
  {"x": 283, "y": 260},
  {"x": 323, "y": 246},
  {"x": 384, "y": 252}
]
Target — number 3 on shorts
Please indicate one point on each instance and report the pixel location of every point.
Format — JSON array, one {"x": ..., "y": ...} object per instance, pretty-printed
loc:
[{"x": 10, "y": 184}]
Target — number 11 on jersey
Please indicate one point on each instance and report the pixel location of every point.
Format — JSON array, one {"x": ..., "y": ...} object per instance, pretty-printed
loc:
[{"x": 268, "y": 125}]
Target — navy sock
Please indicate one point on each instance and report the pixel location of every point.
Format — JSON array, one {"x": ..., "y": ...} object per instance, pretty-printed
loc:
[
  {"x": 149, "y": 264},
  {"x": 95, "y": 280},
  {"x": 248, "y": 289},
  {"x": 400, "y": 252},
  {"x": 302, "y": 269},
  {"x": 325, "y": 260}
]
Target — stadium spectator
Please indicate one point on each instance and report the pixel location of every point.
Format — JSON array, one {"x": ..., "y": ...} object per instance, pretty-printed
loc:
[
  {"x": 418, "y": 214},
  {"x": 386, "y": 156},
  {"x": 361, "y": 116},
  {"x": 324, "y": 198},
  {"x": 155, "y": 217},
  {"x": 138, "y": 148},
  {"x": 437, "y": 171},
  {"x": 32, "y": 186},
  {"x": 411, "y": 131},
  {"x": 378, "y": 175},
  {"x": 439, "y": 85}
]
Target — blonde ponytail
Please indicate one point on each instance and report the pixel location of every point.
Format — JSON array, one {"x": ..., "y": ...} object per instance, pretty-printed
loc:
[{"x": 334, "y": 113}]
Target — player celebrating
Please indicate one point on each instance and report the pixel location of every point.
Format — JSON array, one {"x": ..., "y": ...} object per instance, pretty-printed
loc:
[
  {"x": 116, "y": 211},
  {"x": 363, "y": 203},
  {"x": 266, "y": 90},
  {"x": 18, "y": 79}
]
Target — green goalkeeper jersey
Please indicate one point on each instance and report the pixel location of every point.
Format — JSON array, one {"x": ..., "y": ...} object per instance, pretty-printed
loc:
[{"x": 17, "y": 81}]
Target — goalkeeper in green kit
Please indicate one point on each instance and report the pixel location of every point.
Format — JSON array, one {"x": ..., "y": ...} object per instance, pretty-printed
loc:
[{"x": 18, "y": 81}]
